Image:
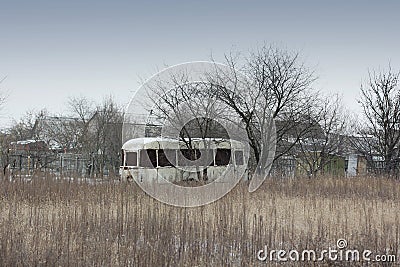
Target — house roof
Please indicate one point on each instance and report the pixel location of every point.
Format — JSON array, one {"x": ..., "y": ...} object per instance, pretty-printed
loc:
[{"x": 26, "y": 142}]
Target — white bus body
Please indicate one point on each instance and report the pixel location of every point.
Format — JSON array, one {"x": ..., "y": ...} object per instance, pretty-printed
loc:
[{"x": 156, "y": 159}]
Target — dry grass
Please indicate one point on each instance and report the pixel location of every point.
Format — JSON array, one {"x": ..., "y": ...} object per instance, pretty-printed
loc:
[{"x": 61, "y": 223}]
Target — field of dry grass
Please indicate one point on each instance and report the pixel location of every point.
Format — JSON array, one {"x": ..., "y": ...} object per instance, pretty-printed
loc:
[{"x": 62, "y": 223}]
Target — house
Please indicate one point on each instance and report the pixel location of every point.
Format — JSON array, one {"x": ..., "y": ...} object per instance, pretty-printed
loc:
[
  {"x": 27, "y": 147},
  {"x": 61, "y": 134}
]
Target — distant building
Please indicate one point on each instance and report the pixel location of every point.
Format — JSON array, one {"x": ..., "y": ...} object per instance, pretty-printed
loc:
[
  {"x": 27, "y": 147},
  {"x": 60, "y": 133}
]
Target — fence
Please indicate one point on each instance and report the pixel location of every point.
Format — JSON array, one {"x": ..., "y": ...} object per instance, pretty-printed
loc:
[{"x": 59, "y": 164}]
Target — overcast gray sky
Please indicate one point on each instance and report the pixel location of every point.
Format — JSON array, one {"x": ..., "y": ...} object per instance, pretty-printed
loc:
[{"x": 52, "y": 50}]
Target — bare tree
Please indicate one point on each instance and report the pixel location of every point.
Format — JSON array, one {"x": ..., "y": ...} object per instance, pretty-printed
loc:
[
  {"x": 27, "y": 126},
  {"x": 62, "y": 132},
  {"x": 278, "y": 88},
  {"x": 26, "y": 129},
  {"x": 189, "y": 110},
  {"x": 3, "y": 94},
  {"x": 379, "y": 132},
  {"x": 82, "y": 110},
  {"x": 104, "y": 137},
  {"x": 5, "y": 137},
  {"x": 186, "y": 102},
  {"x": 320, "y": 145}
]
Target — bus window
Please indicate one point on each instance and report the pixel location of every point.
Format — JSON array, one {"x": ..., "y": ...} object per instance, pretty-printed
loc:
[
  {"x": 122, "y": 157},
  {"x": 188, "y": 156},
  {"x": 131, "y": 159},
  {"x": 148, "y": 158},
  {"x": 239, "y": 157},
  {"x": 166, "y": 157},
  {"x": 207, "y": 157},
  {"x": 222, "y": 157}
]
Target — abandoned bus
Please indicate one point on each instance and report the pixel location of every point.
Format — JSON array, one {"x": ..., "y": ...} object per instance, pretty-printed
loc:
[{"x": 159, "y": 159}]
